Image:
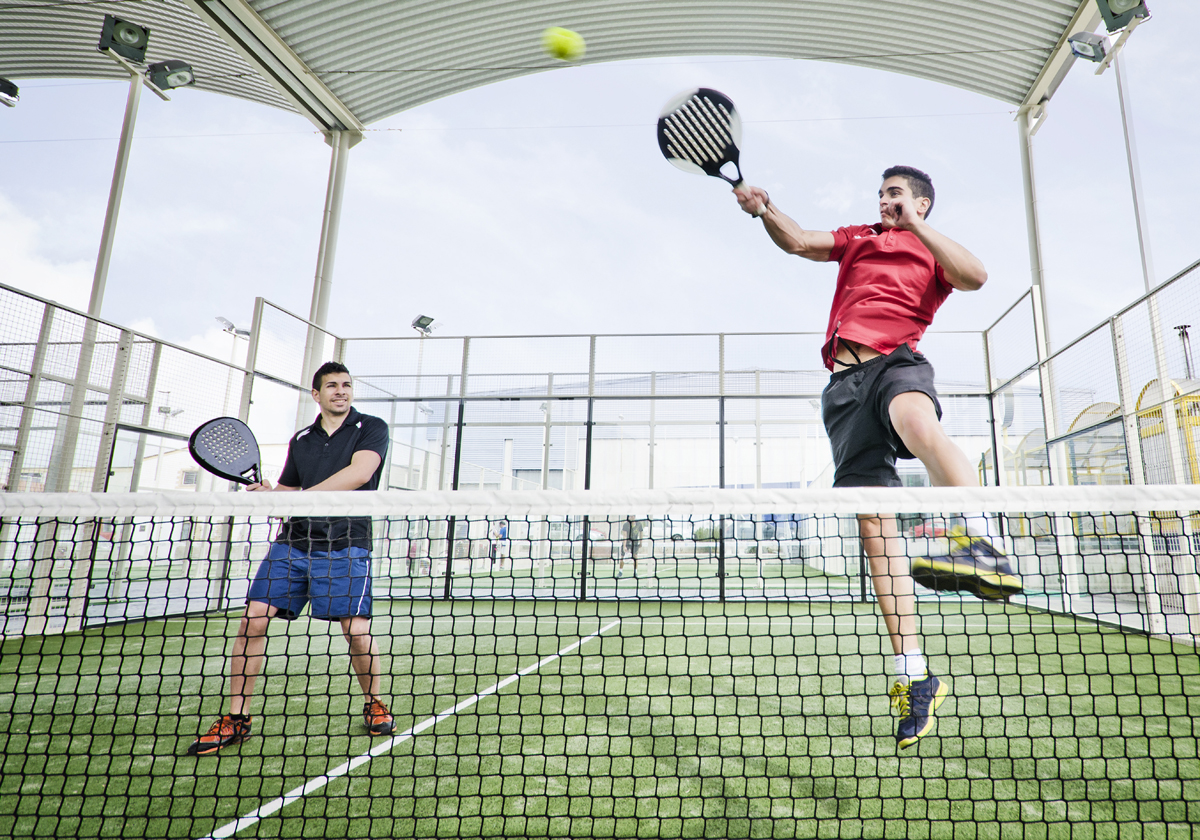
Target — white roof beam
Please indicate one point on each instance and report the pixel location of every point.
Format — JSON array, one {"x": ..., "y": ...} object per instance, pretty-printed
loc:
[
  {"x": 1086, "y": 19},
  {"x": 262, "y": 47}
]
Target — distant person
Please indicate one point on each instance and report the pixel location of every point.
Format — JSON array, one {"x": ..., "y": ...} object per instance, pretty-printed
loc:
[
  {"x": 500, "y": 544},
  {"x": 631, "y": 539},
  {"x": 881, "y": 404},
  {"x": 325, "y": 562}
]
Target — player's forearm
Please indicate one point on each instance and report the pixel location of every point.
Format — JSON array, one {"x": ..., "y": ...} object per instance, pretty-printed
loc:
[
  {"x": 963, "y": 269},
  {"x": 347, "y": 478},
  {"x": 789, "y": 236}
]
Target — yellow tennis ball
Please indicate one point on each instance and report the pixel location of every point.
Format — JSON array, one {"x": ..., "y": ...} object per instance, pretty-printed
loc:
[{"x": 563, "y": 43}]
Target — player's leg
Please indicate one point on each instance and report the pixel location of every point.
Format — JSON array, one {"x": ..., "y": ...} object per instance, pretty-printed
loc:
[
  {"x": 341, "y": 591},
  {"x": 890, "y": 578},
  {"x": 278, "y": 586},
  {"x": 247, "y": 656},
  {"x": 974, "y": 565},
  {"x": 915, "y": 420}
]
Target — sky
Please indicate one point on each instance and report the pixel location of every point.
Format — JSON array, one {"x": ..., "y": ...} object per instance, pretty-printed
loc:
[{"x": 543, "y": 205}]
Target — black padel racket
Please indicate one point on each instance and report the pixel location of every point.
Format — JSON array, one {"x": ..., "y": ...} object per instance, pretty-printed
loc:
[
  {"x": 699, "y": 131},
  {"x": 226, "y": 448}
]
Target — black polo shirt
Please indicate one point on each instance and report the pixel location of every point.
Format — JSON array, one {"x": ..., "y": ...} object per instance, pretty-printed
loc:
[{"x": 314, "y": 456}]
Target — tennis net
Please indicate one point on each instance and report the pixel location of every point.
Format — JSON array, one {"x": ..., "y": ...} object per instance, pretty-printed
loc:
[{"x": 636, "y": 664}]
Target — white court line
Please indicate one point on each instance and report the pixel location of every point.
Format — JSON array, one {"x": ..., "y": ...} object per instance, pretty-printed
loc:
[{"x": 313, "y": 785}]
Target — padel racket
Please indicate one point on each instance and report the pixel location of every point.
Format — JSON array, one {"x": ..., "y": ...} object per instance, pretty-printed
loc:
[
  {"x": 226, "y": 448},
  {"x": 699, "y": 131}
]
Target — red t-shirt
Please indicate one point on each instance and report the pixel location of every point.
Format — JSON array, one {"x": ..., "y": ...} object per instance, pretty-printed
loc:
[{"x": 888, "y": 288}]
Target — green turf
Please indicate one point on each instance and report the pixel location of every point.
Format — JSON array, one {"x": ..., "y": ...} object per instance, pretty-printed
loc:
[{"x": 686, "y": 720}]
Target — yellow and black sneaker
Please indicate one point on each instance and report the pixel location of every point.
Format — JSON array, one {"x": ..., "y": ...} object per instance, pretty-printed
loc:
[
  {"x": 916, "y": 703},
  {"x": 974, "y": 565},
  {"x": 226, "y": 732}
]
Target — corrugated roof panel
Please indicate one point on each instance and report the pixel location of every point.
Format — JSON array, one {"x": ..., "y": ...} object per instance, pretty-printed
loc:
[
  {"x": 383, "y": 57},
  {"x": 46, "y": 40}
]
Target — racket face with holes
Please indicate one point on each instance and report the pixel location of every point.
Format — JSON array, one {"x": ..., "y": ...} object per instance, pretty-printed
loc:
[
  {"x": 226, "y": 448},
  {"x": 699, "y": 131}
]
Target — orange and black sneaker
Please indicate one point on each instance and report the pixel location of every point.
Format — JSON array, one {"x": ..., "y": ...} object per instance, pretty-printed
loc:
[
  {"x": 226, "y": 732},
  {"x": 378, "y": 719}
]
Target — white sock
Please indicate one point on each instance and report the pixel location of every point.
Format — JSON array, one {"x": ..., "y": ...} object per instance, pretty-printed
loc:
[{"x": 911, "y": 666}]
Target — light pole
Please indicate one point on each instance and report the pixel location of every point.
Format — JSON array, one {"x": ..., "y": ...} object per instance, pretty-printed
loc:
[
  {"x": 167, "y": 413},
  {"x": 424, "y": 325},
  {"x": 235, "y": 333}
]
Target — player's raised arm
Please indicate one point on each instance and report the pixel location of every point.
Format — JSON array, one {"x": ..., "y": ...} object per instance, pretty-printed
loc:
[
  {"x": 963, "y": 270},
  {"x": 814, "y": 245}
]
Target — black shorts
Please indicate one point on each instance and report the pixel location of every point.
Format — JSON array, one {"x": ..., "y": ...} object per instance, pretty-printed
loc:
[{"x": 854, "y": 407}]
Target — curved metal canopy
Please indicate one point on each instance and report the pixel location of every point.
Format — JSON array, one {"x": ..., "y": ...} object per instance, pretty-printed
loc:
[{"x": 347, "y": 63}]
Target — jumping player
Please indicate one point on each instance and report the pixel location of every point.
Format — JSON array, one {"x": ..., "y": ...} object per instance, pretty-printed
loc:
[
  {"x": 880, "y": 403},
  {"x": 323, "y": 561}
]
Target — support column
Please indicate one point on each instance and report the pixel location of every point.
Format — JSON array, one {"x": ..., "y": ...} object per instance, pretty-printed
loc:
[{"x": 340, "y": 141}]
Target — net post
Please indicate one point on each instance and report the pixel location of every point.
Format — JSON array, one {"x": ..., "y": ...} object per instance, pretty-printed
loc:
[
  {"x": 862, "y": 568},
  {"x": 721, "y": 558},
  {"x": 721, "y": 477},
  {"x": 587, "y": 445},
  {"x": 583, "y": 557},
  {"x": 449, "y": 555}
]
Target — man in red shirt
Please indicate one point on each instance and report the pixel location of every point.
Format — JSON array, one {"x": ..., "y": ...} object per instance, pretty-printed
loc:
[{"x": 880, "y": 403}]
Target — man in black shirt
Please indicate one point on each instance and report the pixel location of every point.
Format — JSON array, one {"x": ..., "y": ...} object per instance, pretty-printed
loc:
[{"x": 322, "y": 561}]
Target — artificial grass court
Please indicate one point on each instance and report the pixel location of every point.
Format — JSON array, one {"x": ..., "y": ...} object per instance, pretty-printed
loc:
[{"x": 681, "y": 720}]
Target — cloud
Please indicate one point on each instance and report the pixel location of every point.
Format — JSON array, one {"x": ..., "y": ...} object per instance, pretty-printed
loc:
[{"x": 25, "y": 265}]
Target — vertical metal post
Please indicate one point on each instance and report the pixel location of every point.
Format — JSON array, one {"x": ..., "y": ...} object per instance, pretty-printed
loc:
[
  {"x": 331, "y": 218},
  {"x": 587, "y": 485},
  {"x": 29, "y": 408},
  {"x": 1041, "y": 323},
  {"x": 989, "y": 384},
  {"x": 1177, "y": 469},
  {"x": 108, "y": 234},
  {"x": 454, "y": 486},
  {"x": 545, "y": 483},
  {"x": 112, "y": 412},
  {"x": 147, "y": 413},
  {"x": 587, "y": 446},
  {"x": 653, "y": 404},
  {"x": 758, "y": 442},
  {"x": 721, "y": 484},
  {"x": 1128, "y": 397},
  {"x": 721, "y": 442},
  {"x": 251, "y": 362}
]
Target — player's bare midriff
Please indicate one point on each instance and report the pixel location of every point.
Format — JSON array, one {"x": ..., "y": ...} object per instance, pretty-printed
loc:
[{"x": 846, "y": 356}]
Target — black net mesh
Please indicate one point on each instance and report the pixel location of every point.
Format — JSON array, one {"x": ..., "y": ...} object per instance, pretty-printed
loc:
[{"x": 632, "y": 675}]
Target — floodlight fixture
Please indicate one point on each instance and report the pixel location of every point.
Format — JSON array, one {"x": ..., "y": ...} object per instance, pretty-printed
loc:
[
  {"x": 423, "y": 324},
  {"x": 9, "y": 93},
  {"x": 172, "y": 73},
  {"x": 232, "y": 328},
  {"x": 124, "y": 38},
  {"x": 1118, "y": 13},
  {"x": 1089, "y": 45}
]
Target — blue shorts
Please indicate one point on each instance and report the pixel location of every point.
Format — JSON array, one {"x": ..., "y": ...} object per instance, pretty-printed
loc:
[{"x": 337, "y": 583}]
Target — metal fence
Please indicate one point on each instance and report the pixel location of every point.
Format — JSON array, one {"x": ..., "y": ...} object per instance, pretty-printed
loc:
[{"x": 91, "y": 406}]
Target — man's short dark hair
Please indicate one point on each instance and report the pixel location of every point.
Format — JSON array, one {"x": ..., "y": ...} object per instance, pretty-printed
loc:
[
  {"x": 920, "y": 183},
  {"x": 326, "y": 369}
]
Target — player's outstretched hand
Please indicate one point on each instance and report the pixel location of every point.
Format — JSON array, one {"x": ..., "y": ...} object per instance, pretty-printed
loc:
[
  {"x": 752, "y": 199},
  {"x": 263, "y": 485}
]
